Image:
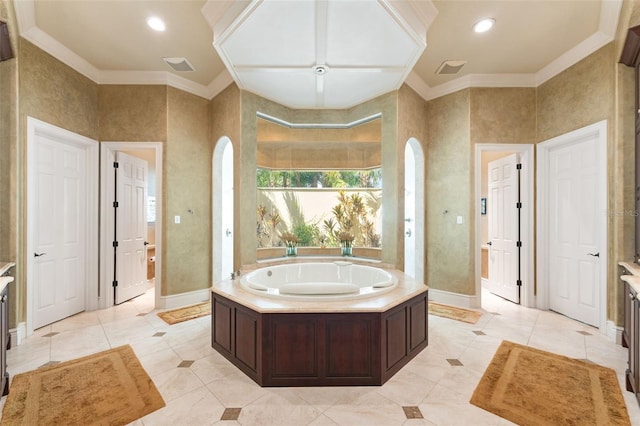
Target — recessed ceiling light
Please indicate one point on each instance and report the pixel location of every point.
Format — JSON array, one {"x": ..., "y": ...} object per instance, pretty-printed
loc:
[
  {"x": 484, "y": 25},
  {"x": 156, "y": 23}
]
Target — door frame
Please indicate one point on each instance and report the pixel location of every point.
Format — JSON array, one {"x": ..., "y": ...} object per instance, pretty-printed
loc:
[
  {"x": 35, "y": 128},
  {"x": 418, "y": 213},
  {"x": 216, "y": 206},
  {"x": 107, "y": 157},
  {"x": 543, "y": 150},
  {"x": 526, "y": 151}
]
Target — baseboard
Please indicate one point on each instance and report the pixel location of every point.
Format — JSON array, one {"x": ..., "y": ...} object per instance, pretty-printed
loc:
[
  {"x": 454, "y": 299},
  {"x": 183, "y": 299},
  {"x": 614, "y": 332},
  {"x": 18, "y": 334}
]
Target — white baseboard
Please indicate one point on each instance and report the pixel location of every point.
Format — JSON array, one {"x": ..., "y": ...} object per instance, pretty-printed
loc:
[
  {"x": 18, "y": 334},
  {"x": 454, "y": 299},
  {"x": 614, "y": 332},
  {"x": 184, "y": 299}
]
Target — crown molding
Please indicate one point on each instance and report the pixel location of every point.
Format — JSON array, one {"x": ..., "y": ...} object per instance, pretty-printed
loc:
[{"x": 609, "y": 16}]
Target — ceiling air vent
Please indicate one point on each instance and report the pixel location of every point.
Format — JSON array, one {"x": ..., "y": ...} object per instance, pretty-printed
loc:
[
  {"x": 179, "y": 64},
  {"x": 450, "y": 67}
]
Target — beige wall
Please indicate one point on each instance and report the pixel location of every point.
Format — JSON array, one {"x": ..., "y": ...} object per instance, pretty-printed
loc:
[
  {"x": 225, "y": 122},
  {"x": 246, "y": 191},
  {"x": 53, "y": 92},
  {"x": 186, "y": 262},
  {"x": 130, "y": 113},
  {"x": 581, "y": 95},
  {"x": 448, "y": 191},
  {"x": 411, "y": 124}
]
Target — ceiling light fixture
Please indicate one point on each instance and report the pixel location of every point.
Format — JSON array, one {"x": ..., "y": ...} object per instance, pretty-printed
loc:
[
  {"x": 484, "y": 25},
  {"x": 156, "y": 23}
]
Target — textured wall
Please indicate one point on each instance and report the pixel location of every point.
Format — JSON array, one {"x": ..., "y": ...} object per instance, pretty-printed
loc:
[
  {"x": 133, "y": 113},
  {"x": 623, "y": 189},
  {"x": 53, "y": 92},
  {"x": 246, "y": 191},
  {"x": 225, "y": 122},
  {"x": 448, "y": 192},
  {"x": 9, "y": 178},
  {"x": 579, "y": 96},
  {"x": 8, "y": 137},
  {"x": 411, "y": 124},
  {"x": 503, "y": 115},
  {"x": 187, "y": 256}
]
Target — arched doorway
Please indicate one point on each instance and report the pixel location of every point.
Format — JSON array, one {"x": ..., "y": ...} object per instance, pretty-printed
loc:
[
  {"x": 414, "y": 209},
  {"x": 222, "y": 210}
]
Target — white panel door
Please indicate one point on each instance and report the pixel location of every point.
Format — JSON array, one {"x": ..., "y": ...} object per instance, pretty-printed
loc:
[
  {"x": 59, "y": 234},
  {"x": 503, "y": 228},
  {"x": 131, "y": 227},
  {"x": 573, "y": 231}
]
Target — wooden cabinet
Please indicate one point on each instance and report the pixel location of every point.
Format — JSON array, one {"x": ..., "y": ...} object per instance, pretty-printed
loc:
[
  {"x": 631, "y": 329},
  {"x": 319, "y": 349},
  {"x": 5, "y": 342}
]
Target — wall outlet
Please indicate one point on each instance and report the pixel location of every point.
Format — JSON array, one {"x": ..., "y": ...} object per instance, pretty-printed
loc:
[
  {"x": 176, "y": 219},
  {"x": 459, "y": 220}
]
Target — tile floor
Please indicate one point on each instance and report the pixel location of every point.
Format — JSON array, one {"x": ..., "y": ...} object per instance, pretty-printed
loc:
[{"x": 201, "y": 388}]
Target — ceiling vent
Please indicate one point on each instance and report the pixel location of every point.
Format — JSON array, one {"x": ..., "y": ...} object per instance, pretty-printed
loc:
[
  {"x": 450, "y": 67},
  {"x": 179, "y": 64}
]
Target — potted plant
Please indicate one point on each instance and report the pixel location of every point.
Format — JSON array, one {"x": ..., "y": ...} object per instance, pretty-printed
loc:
[
  {"x": 346, "y": 242},
  {"x": 290, "y": 241}
]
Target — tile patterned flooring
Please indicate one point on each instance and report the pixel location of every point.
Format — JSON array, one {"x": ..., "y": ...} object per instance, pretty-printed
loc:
[{"x": 200, "y": 387}]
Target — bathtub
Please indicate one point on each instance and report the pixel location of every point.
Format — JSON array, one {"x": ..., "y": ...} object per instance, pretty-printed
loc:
[{"x": 339, "y": 280}]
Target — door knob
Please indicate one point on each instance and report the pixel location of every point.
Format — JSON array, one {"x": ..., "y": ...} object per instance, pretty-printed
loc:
[
  {"x": 489, "y": 243},
  {"x": 594, "y": 254},
  {"x": 38, "y": 254},
  {"x": 146, "y": 243},
  {"x": 408, "y": 233},
  {"x": 228, "y": 232}
]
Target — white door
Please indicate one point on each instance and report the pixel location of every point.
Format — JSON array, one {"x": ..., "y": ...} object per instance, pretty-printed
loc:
[
  {"x": 574, "y": 206},
  {"x": 58, "y": 229},
  {"x": 131, "y": 227},
  {"x": 503, "y": 228},
  {"x": 227, "y": 210},
  {"x": 409, "y": 211}
]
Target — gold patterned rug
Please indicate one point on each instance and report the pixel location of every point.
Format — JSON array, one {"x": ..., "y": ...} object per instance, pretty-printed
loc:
[
  {"x": 175, "y": 316},
  {"x": 453, "y": 312},
  {"x": 106, "y": 388},
  {"x": 528, "y": 386}
]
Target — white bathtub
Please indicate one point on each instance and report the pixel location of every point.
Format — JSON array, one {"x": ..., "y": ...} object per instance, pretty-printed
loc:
[{"x": 319, "y": 281}]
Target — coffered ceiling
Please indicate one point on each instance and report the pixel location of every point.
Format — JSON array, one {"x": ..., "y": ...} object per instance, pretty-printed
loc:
[{"x": 273, "y": 47}]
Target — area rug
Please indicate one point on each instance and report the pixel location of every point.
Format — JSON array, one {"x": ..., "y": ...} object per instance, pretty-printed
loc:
[
  {"x": 107, "y": 388},
  {"x": 455, "y": 313},
  {"x": 175, "y": 316},
  {"x": 528, "y": 386}
]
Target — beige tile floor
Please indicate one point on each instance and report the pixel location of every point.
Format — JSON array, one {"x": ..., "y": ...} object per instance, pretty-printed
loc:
[{"x": 198, "y": 394}]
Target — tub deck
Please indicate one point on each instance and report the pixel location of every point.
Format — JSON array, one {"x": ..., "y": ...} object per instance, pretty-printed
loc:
[{"x": 360, "y": 342}]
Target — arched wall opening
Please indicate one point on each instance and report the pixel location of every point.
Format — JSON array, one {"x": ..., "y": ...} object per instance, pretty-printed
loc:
[{"x": 222, "y": 209}]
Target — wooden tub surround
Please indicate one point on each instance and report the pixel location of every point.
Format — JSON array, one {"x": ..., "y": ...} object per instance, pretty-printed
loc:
[{"x": 305, "y": 343}]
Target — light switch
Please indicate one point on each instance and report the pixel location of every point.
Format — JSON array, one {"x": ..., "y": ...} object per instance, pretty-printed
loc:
[
  {"x": 177, "y": 219},
  {"x": 459, "y": 220}
]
